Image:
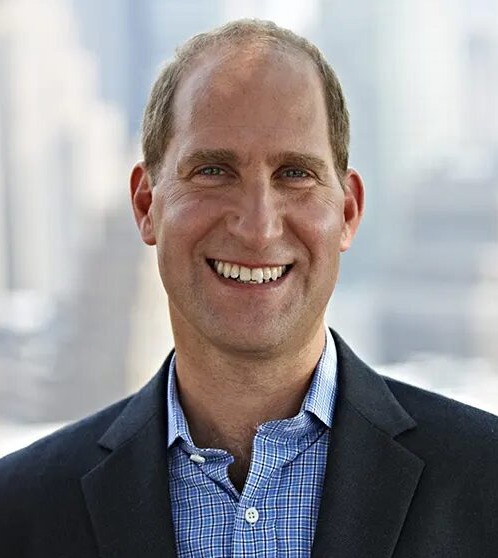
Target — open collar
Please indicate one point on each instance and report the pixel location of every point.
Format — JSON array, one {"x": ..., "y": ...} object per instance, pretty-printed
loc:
[{"x": 319, "y": 400}]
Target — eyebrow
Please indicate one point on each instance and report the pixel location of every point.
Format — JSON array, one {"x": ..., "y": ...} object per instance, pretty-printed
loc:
[
  {"x": 205, "y": 156},
  {"x": 306, "y": 160}
]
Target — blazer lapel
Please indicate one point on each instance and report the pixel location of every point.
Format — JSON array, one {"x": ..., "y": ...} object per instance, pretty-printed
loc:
[
  {"x": 370, "y": 478},
  {"x": 127, "y": 494}
]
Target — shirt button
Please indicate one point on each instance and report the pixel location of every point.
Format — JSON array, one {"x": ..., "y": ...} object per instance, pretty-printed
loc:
[
  {"x": 252, "y": 515},
  {"x": 196, "y": 458}
]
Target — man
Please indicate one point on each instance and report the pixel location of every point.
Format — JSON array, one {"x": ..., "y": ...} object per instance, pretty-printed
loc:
[{"x": 262, "y": 434}]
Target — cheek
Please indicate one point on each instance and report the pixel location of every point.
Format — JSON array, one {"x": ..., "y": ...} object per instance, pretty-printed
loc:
[
  {"x": 176, "y": 213},
  {"x": 320, "y": 224},
  {"x": 183, "y": 222}
]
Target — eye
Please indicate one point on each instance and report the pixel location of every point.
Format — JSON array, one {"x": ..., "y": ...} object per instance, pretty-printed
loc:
[
  {"x": 295, "y": 173},
  {"x": 211, "y": 171}
]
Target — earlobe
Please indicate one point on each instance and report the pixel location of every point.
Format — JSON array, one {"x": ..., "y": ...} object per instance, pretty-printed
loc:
[
  {"x": 354, "y": 206},
  {"x": 141, "y": 199}
]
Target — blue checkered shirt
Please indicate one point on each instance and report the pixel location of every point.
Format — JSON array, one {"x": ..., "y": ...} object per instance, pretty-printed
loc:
[{"x": 275, "y": 515}]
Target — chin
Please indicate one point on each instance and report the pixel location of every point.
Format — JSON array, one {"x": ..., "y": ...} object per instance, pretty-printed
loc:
[{"x": 259, "y": 344}]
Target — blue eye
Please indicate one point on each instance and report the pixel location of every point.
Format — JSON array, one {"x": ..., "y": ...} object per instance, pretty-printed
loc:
[{"x": 211, "y": 171}]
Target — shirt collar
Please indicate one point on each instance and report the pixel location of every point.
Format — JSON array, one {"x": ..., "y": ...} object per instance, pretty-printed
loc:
[
  {"x": 319, "y": 400},
  {"x": 177, "y": 423}
]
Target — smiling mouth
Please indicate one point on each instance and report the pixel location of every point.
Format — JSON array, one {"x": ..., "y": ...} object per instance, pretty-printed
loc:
[{"x": 249, "y": 275}]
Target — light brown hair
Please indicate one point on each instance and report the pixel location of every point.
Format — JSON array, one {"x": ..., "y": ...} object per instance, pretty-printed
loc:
[{"x": 157, "y": 127}]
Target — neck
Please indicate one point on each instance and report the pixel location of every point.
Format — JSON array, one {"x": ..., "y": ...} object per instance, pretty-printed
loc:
[{"x": 225, "y": 397}]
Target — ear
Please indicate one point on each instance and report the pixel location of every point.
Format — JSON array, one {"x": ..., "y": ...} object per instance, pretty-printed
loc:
[
  {"x": 141, "y": 199},
  {"x": 354, "y": 205}
]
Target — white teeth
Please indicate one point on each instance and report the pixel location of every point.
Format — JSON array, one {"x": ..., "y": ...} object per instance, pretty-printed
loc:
[
  {"x": 246, "y": 275},
  {"x": 257, "y": 275}
]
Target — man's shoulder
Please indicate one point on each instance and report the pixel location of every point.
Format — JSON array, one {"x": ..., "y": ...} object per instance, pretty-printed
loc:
[
  {"x": 417, "y": 401},
  {"x": 411, "y": 409},
  {"x": 71, "y": 451},
  {"x": 453, "y": 428},
  {"x": 42, "y": 505}
]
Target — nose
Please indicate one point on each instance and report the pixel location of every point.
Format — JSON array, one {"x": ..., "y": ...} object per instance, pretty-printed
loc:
[{"x": 256, "y": 219}]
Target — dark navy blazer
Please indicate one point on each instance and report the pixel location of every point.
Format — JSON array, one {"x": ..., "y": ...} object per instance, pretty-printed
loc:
[{"x": 410, "y": 474}]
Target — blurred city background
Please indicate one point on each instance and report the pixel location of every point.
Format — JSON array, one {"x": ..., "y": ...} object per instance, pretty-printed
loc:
[{"x": 83, "y": 318}]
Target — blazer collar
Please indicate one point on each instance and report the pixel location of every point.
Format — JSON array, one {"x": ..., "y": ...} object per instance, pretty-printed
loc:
[
  {"x": 370, "y": 478},
  {"x": 127, "y": 494},
  {"x": 369, "y": 482}
]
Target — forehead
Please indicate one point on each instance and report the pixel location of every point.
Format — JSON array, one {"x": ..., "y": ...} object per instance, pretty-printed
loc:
[{"x": 254, "y": 90}]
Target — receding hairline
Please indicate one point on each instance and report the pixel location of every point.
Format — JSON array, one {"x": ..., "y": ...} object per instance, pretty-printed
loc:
[
  {"x": 219, "y": 54},
  {"x": 226, "y": 49}
]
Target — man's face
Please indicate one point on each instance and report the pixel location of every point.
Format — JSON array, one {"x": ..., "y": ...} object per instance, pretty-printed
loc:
[{"x": 248, "y": 189}]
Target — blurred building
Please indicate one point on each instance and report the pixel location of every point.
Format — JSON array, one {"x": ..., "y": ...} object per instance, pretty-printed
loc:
[
  {"x": 480, "y": 156},
  {"x": 428, "y": 303},
  {"x": 484, "y": 300},
  {"x": 441, "y": 283},
  {"x": 133, "y": 39},
  {"x": 61, "y": 163}
]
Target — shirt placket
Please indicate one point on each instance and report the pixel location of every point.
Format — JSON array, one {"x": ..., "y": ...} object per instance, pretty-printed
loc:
[{"x": 255, "y": 532}]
